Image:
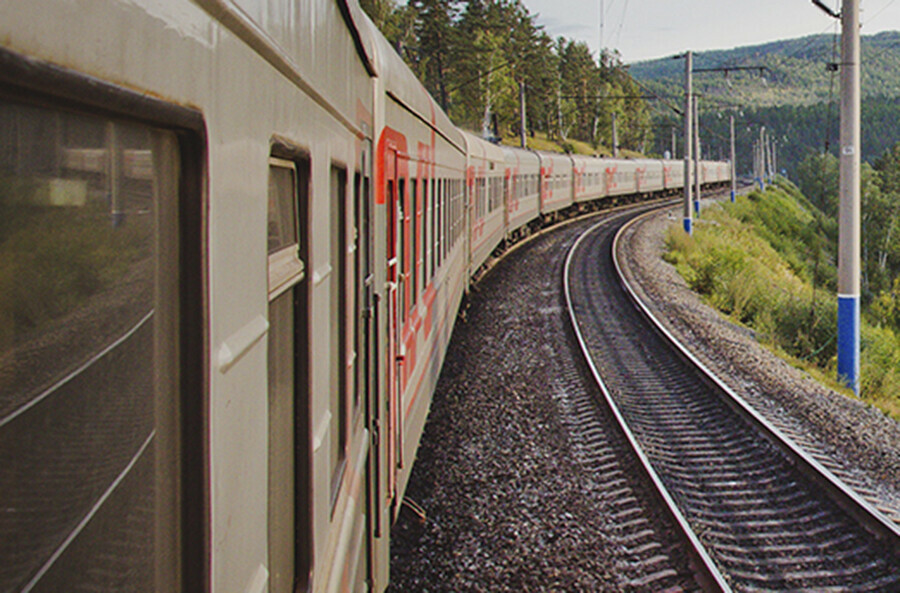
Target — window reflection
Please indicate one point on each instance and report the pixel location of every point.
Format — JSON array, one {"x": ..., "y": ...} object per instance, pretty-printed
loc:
[{"x": 80, "y": 414}]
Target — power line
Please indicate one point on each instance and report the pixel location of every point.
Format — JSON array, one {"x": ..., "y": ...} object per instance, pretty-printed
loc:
[
  {"x": 885, "y": 7},
  {"x": 621, "y": 24}
]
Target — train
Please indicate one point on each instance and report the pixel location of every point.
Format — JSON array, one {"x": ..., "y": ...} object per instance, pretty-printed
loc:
[{"x": 234, "y": 239}]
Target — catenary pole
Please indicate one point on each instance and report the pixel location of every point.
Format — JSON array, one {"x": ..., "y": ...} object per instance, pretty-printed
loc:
[
  {"x": 615, "y": 137},
  {"x": 733, "y": 167},
  {"x": 762, "y": 157},
  {"x": 697, "y": 172},
  {"x": 774, "y": 159},
  {"x": 522, "y": 139},
  {"x": 688, "y": 141},
  {"x": 849, "y": 211}
]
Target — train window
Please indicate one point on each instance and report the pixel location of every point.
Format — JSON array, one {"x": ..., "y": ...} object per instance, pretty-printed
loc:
[
  {"x": 423, "y": 235},
  {"x": 457, "y": 196},
  {"x": 447, "y": 213},
  {"x": 452, "y": 222},
  {"x": 442, "y": 221},
  {"x": 91, "y": 404},
  {"x": 492, "y": 193},
  {"x": 438, "y": 208},
  {"x": 289, "y": 501},
  {"x": 462, "y": 205},
  {"x": 282, "y": 367},
  {"x": 401, "y": 245},
  {"x": 478, "y": 198},
  {"x": 282, "y": 214},
  {"x": 413, "y": 239},
  {"x": 445, "y": 217},
  {"x": 427, "y": 187},
  {"x": 449, "y": 217},
  {"x": 435, "y": 193},
  {"x": 459, "y": 210},
  {"x": 337, "y": 344},
  {"x": 285, "y": 265},
  {"x": 482, "y": 196}
]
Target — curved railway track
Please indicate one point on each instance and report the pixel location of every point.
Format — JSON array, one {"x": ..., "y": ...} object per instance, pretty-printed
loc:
[
  {"x": 566, "y": 508},
  {"x": 761, "y": 514}
]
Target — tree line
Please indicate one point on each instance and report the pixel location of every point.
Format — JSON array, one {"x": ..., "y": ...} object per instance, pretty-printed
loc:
[
  {"x": 473, "y": 55},
  {"x": 798, "y": 130},
  {"x": 818, "y": 176}
]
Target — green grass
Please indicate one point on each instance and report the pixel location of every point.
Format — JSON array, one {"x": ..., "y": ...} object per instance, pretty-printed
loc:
[
  {"x": 755, "y": 261},
  {"x": 540, "y": 142}
]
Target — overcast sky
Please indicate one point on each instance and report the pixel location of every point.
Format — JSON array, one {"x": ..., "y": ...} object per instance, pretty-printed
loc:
[{"x": 646, "y": 29}]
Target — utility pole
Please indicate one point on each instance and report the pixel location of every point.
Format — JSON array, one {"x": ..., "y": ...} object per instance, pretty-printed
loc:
[
  {"x": 673, "y": 143},
  {"x": 756, "y": 161},
  {"x": 615, "y": 137},
  {"x": 688, "y": 102},
  {"x": 733, "y": 168},
  {"x": 850, "y": 210},
  {"x": 697, "y": 172},
  {"x": 774, "y": 159},
  {"x": 762, "y": 158},
  {"x": 522, "y": 114},
  {"x": 772, "y": 170}
]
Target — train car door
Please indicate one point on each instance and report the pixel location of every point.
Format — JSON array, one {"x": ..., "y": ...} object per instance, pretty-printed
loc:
[{"x": 396, "y": 175}]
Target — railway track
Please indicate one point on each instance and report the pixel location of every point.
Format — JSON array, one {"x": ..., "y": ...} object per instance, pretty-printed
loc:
[
  {"x": 760, "y": 513},
  {"x": 567, "y": 508}
]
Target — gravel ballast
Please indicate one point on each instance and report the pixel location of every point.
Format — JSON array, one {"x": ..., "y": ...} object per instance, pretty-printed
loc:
[
  {"x": 512, "y": 500},
  {"x": 508, "y": 505}
]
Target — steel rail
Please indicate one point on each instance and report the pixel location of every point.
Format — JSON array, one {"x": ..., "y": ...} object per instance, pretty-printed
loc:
[
  {"x": 868, "y": 516},
  {"x": 709, "y": 576}
]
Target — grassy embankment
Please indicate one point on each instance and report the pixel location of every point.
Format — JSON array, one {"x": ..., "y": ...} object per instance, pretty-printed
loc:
[
  {"x": 540, "y": 142},
  {"x": 764, "y": 262}
]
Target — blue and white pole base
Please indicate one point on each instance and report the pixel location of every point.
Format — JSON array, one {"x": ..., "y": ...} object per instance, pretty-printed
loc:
[
  {"x": 848, "y": 341},
  {"x": 732, "y": 196},
  {"x": 697, "y": 206},
  {"x": 688, "y": 225}
]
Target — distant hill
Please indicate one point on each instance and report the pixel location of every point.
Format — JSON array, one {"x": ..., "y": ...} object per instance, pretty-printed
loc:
[
  {"x": 797, "y": 71},
  {"x": 795, "y": 100}
]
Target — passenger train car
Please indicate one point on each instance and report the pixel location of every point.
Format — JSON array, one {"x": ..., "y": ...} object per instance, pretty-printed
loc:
[{"x": 234, "y": 239}]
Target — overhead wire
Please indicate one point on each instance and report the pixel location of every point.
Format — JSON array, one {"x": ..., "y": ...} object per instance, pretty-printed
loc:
[
  {"x": 621, "y": 23},
  {"x": 883, "y": 8}
]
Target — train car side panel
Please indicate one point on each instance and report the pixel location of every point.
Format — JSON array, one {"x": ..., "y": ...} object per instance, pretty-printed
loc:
[{"x": 523, "y": 170}]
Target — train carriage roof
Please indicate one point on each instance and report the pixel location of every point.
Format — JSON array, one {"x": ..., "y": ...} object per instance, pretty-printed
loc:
[
  {"x": 398, "y": 82},
  {"x": 482, "y": 149},
  {"x": 521, "y": 156}
]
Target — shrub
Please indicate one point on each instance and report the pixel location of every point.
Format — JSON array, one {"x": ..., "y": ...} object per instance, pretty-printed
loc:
[{"x": 755, "y": 261}]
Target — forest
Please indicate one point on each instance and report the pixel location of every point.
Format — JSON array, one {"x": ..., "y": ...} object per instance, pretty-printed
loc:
[
  {"x": 792, "y": 90},
  {"x": 473, "y": 55},
  {"x": 818, "y": 176}
]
